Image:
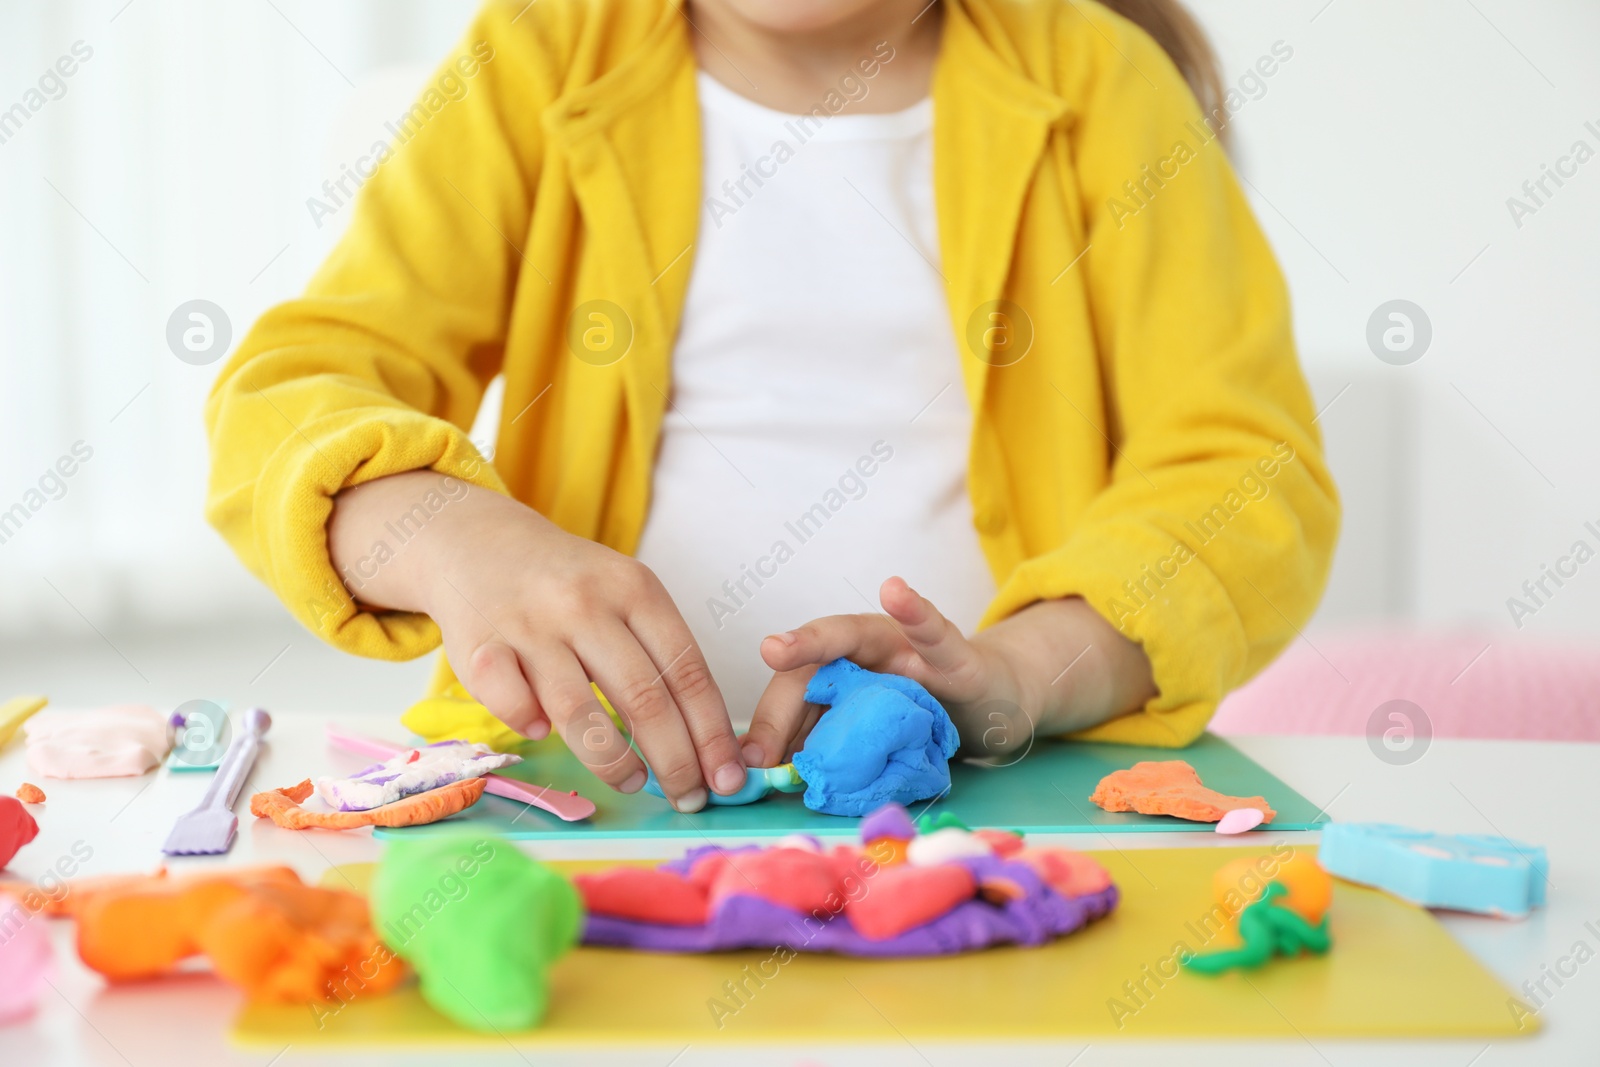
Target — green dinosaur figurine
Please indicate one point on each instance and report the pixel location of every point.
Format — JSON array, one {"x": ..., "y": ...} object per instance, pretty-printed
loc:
[
  {"x": 1267, "y": 930},
  {"x": 480, "y": 922}
]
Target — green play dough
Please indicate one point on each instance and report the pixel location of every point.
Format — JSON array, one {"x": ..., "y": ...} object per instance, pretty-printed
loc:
[
  {"x": 946, "y": 820},
  {"x": 480, "y": 922},
  {"x": 1266, "y": 930}
]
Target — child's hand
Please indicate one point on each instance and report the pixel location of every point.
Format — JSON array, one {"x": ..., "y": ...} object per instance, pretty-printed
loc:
[
  {"x": 1050, "y": 668},
  {"x": 531, "y": 614}
]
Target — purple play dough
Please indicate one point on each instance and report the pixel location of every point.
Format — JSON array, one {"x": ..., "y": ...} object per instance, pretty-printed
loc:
[
  {"x": 891, "y": 821},
  {"x": 685, "y": 863},
  {"x": 1039, "y": 916},
  {"x": 444, "y": 779},
  {"x": 409, "y": 772}
]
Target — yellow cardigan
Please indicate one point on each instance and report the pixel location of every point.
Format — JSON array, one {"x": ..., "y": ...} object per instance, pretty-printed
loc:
[{"x": 1152, "y": 450}]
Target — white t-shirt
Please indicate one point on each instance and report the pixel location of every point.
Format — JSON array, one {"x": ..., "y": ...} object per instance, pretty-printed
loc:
[{"x": 816, "y": 441}]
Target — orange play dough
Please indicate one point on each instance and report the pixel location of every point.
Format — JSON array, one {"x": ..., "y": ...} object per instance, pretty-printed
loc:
[
  {"x": 886, "y": 851},
  {"x": 142, "y": 926},
  {"x": 282, "y": 806},
  {"x": 295, "y": 943},
  {"x": 1310, "y": 888},
  {"x": 262, "y": 929},
  {"x": 1169, "y": 787},
  {"x": 72, "y": 898},
  {"x": 29, "y": 793}
]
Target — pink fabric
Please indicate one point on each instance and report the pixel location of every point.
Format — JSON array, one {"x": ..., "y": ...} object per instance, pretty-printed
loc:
[{"x": 1468, "y": 684}]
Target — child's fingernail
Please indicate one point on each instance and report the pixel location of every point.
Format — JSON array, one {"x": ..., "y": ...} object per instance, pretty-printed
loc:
[
  {"x": 691, "y": 801},
  {"x": 539, "y": 730},
  {"x": 788, "y": 637},
  {"x": 633, "y": 783},
  {"x": 729, "y": 777},
  {"x": 752, "y": 754}
]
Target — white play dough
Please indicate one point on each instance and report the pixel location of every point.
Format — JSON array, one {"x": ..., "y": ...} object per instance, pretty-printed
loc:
[
  {"x": 415, "y": 770},
  {"x": 804, "y": 842},
  {"x": 942, "y": 846}
]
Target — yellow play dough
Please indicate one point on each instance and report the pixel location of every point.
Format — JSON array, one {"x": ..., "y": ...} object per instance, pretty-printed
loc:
[
  {"x": 454, "y": 716},
  {"x": 15, "y": 712}
]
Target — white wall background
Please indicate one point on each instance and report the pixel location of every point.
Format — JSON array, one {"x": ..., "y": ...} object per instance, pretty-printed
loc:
[
  {"x": 177, "y": 164},
  {"x": 1381, "y": 158}
]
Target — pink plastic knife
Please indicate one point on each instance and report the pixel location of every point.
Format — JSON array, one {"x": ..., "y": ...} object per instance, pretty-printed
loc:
[{"x": 569, "y": 806}]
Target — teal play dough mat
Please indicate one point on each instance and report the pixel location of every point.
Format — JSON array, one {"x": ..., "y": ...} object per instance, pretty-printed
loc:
[{"x": 1047, "y": 791}]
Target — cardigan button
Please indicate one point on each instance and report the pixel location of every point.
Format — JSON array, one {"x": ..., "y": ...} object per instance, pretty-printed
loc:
[{"x": 990, "y": 519}]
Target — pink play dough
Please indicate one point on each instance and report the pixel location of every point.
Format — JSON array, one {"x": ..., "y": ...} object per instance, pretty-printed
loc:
[
  {"x": 1239, "y": 820},
  {"x": 110, "y": 742},
  {"x": 26, "y": 963}
]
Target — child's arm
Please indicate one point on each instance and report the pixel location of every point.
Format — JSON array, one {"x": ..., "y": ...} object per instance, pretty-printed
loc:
[
  {"x": 1210, "y": 538},
  {"x": 350, "y": 406},
  {"x": 1053, "y": 667},
  {"x": 379, "y": 367}
]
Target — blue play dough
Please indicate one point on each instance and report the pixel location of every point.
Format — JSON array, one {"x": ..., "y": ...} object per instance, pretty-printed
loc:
[{"x": 884, "y": 739}]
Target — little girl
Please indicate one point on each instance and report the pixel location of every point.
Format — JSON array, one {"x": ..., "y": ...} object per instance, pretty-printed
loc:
[{"x": 789, "y": 297}]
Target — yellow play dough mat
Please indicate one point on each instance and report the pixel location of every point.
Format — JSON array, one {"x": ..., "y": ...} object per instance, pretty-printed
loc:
[{"x": 1393, "y": 972}]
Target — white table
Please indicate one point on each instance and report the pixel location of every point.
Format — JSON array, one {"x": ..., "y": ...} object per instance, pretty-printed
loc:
[{"x": 1532, "y": 791}]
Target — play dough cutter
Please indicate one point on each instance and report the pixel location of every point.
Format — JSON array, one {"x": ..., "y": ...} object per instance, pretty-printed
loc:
[
  {"x": 758, "y": 782},
  {"x": 209, "y": 829},
  {"x": 569, "y": 806}
]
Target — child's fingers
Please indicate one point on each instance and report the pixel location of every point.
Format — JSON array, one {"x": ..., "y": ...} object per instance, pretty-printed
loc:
[
  {"x": 780, "y": 714},
  {"x": 564, "y": 692},
  {"x": 495, "y": 679},
  {"x": 936, "y": 639},
  {"x": 809, "y": 720},
  {"x": 680, "y": 664},
  {"x": 867, "y": 639},
  {"x": 628, "y": 677},
  {"x": 912, "y": 638}
]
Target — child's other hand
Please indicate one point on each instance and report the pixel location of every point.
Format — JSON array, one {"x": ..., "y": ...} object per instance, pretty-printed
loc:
[
  {"x": 1055, "y": 666},
  {"x": 531, "y": 614}
]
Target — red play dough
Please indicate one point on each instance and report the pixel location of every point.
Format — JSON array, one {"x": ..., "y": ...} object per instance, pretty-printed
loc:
[
  {"x": 1001, "y": 842},
  {"x": 903, "y": 897},
  {"x": 17, "y": 828},
  {"x": 707, "y": 868},
  {"x": 1169, "y": 787},
  {"x": 852, "y": 865},
  {"x": 643, "y": 894},
  {"x": 794, "y": 877},
  {"x": 1070, "y": 873}
]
